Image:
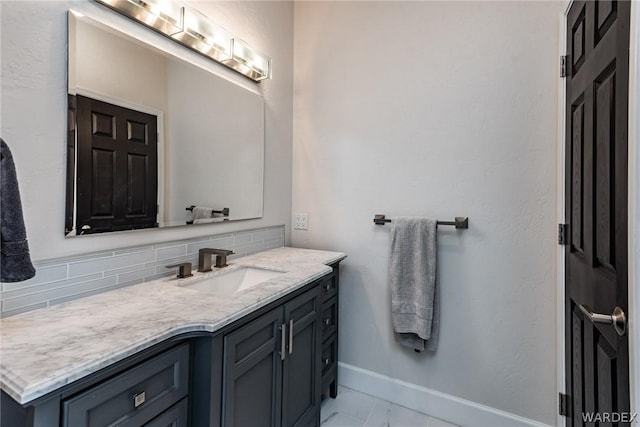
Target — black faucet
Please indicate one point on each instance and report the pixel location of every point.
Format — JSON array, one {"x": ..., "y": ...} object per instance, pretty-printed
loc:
[
  {"x": 204, "y": 258},
  {"x": 184, "y": 269}
]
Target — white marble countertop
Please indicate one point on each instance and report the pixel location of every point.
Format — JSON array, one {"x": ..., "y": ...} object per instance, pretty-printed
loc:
[{"x": 43, "y": 350}]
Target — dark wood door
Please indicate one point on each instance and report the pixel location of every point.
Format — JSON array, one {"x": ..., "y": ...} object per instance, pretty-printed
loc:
[
  {"x": 252, "y": 385},
  {"x": 597, "y": 357},
  {"x": 71, "y": 164},
  {"x": 302, "y": 369},
  {"x": 117, "y": 168}
]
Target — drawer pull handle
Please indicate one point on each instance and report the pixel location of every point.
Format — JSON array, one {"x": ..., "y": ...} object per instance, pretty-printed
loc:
[
  {"x": 139, "y": 399},
  {"x": 326, "y": 362},
  {"x": 290, "y": 336},
  {"x": 326, "y": 321},
  {"x": 283, "y": 342},
  {"x": 327, "y": 287}
]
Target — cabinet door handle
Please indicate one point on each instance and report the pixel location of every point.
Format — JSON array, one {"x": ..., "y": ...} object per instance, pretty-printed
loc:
[
  {"x": 326, "y": 322},
  {"x": 326, "y": 362},
  {"x": 327, "y": 287},
  {"x": 139, "y": 399},
  {"x": 290, "y": 336},
  {"x": 282, "y": 340}
]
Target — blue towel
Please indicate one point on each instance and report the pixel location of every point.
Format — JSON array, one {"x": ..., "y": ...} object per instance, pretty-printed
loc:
[{"x": 15, "y": 262}]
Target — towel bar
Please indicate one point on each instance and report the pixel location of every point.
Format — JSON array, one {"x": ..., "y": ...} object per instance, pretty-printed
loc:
[
  {"x": 224, "y": 211},
  {"x": 461, "y": 222}
]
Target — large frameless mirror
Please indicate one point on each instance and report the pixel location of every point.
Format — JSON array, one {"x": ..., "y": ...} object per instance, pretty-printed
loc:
[{"x": 153, "y": 140}]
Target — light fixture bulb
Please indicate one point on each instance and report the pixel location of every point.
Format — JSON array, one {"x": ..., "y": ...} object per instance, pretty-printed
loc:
[
  {"x": 164, "y": 16},
  {"x": 201, "y": 34}
]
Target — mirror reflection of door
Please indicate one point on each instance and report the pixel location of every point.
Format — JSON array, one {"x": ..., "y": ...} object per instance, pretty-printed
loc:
[
  {"x": 117, "y": 161},
  {"x": 210, "y": 133}
]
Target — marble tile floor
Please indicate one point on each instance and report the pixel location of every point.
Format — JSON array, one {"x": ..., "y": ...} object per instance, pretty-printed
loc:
[{"x": 354, "y": 409}]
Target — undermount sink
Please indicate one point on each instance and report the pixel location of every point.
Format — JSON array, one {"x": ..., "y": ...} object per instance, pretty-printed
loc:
[{"x": 229, "y": 283}]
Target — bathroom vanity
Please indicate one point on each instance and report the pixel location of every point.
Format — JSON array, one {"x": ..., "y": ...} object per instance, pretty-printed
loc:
[{"x": 166, "y": 353}]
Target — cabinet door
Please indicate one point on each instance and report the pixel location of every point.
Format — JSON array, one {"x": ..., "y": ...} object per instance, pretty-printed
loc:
[
  {"x": 176, "y": 416},
  {"x": 253, "y": 373},
  {"x": 301, "y": 375}
]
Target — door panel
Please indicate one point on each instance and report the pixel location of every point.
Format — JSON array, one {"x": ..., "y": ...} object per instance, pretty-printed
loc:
[
  {"x": 117, "y": 167},
  {"x": 138, "y": 175},
  {"x": 596, "y": 195},
  {"x": 103, "y": 184}
]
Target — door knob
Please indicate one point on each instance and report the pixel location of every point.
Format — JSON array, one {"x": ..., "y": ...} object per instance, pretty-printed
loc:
[{"x": 618, "y": 319}]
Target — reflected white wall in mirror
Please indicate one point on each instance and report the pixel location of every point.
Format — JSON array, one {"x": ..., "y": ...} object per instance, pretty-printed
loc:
[{"x": 210, "y": 136}]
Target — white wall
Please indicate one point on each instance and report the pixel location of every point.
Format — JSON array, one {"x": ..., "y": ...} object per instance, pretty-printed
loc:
[
  {"x": 437, "y": 109},
  {"x": 107, "y": 70},
  {"x": 33, "y": 106},
  {"x": 215, "y": 156}
]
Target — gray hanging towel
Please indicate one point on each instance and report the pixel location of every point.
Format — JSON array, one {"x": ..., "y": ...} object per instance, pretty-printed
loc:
[
  {"x": 15, "y": 262},
  {"x": 202, "y": 215},
  {"x": 412, "y": 278}
]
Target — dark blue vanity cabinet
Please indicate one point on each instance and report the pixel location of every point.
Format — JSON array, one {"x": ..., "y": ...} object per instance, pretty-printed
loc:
[
  {"x": 176, "y": 416},
  {"x": 329, "y": 354},
  {"x": 146, "y": 389},
  {"x": 272, "y": 367},
  {"x": 268, "y": 368},
  {"x": 134, "y": 397}
]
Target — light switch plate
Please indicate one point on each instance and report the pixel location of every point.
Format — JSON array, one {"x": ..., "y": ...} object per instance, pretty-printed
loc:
[{"x": 300, "y": 221}]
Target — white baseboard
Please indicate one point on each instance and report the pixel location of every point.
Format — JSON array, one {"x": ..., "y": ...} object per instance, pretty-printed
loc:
[{"x": 440, "y": 405}]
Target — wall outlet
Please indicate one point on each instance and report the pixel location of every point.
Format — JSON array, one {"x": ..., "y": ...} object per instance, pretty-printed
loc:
[{"x": 300, "y": 221}]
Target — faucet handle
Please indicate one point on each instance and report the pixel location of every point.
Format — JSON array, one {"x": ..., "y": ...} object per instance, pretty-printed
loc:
[
  {"x": 221, "y": 258},
  {"x": 184, "y": 269}
]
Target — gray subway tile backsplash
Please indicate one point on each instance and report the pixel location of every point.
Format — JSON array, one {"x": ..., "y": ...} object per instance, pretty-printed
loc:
[
  {"x": 136, "y": 275},
  {"x": 225, "y": 242},
  {"x": 251, "y": 248},
  {"x": 46, "y": 274},
  {"x": 171, "y": 252},
  {"x": 24, "y": 309},
  {"x": 65, "y": 279},
  {"x": 9, "y": 295},
  {"x": 133, "y": 250},
  {"x": 243, "y": 238},
  {"x": 266, "y": 235},
  {"x": 62, "y": 291},
  {"x": 109, "y": 263},
  {"x": 89, "y": 292}
]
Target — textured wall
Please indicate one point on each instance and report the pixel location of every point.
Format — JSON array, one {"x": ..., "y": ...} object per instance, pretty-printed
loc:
[
  {"x": 222, "y": 141},
  {"x": 33, "y": 112},
  {"x": 108, "y": 70},
  {"x": 437, "y": 109}
]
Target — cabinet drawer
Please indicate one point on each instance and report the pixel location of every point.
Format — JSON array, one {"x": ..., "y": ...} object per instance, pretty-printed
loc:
[
  {"x": 329, "y": 287},
  {"x": 329, "y": 318},
  {"x": 133, "y": 397},
  {"x": 329, "y": 356},
  {"x": 173, "y": 417}
]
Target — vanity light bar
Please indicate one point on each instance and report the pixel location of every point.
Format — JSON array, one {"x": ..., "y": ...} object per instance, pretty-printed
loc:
[
  {"x": 197, "y": 32},
  {"x": 249, "y": 62},
  {"x": 161, "y": 15},
  {"x": 204, "y": 36}
]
